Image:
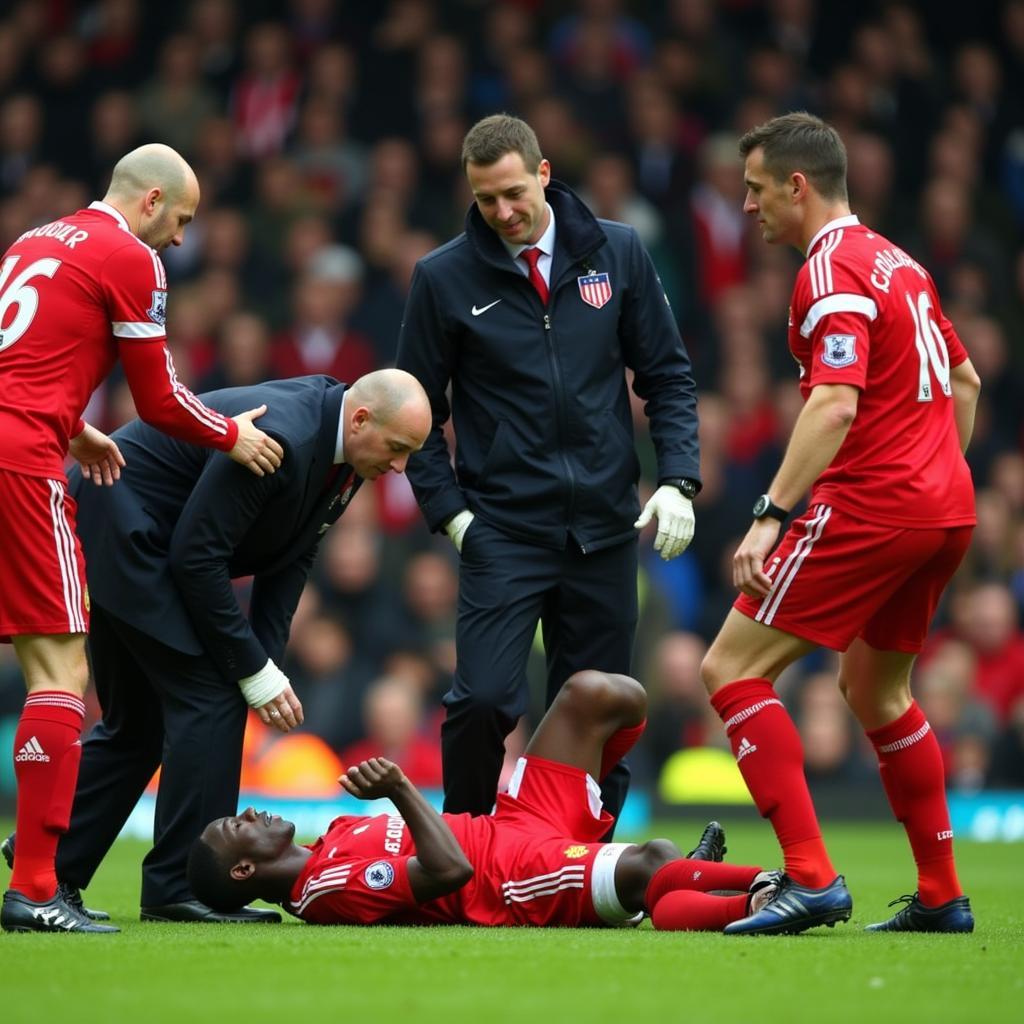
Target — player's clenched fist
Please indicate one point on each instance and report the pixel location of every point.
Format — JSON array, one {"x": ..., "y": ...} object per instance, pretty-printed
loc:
[
  {"x": 371, "y": 779},
  {"x": 257, "y": 451}
]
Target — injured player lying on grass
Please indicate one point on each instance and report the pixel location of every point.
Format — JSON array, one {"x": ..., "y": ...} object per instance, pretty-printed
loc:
[{"x": 537, "y": 861}]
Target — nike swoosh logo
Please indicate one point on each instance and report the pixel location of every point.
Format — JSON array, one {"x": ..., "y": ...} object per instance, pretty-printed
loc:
[{"x": 483, "y": 309}]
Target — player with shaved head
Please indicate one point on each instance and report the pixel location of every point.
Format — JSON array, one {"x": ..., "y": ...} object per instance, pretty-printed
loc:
[{"x": 75, "y": 295}]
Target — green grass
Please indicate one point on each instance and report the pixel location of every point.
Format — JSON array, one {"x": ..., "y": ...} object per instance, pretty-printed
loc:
[{"x": 286, "y": 973}]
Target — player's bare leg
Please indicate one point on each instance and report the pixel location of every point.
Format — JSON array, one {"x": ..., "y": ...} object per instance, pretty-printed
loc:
[
  {"x": 591, "y": 708},
  {"x": 47, "y": 750},
  {"x": 738, "y": 671},
  {"x": 876, "y": 685}
]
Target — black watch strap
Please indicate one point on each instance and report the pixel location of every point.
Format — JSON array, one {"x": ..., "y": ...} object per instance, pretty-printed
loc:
[
  {"x": 764, "y": 508},
  {"x": 689, "y": 488}
]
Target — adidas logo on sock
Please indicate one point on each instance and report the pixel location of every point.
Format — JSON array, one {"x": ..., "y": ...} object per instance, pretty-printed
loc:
[
  {"x": 32, "y": 751},
  {"x": 746, "y": 747}
]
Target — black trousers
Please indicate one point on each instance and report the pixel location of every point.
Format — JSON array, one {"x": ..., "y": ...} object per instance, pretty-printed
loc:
[
  {"x": 161, "y": 708},
  {"x": 587, "y": 608}
]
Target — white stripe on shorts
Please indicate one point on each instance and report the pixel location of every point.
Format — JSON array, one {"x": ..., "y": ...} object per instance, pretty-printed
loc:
[
  {"x": 65, "y": 543},
  {"x": 813, "y": 529}
]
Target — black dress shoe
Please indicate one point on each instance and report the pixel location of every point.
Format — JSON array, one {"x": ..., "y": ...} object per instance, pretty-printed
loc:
[{"x": 194, "y": 912}]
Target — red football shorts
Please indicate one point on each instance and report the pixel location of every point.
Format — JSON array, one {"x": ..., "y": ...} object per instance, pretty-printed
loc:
[
  {"x": 42, "y": 571},
  {"x": 563, "y": 798},
  {"x": 547, "y": 849},
  {"x": 836, "y": 578}
]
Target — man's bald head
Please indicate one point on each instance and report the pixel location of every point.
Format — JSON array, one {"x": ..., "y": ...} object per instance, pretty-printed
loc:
[
  {"x": 385, "y": 392},
  {"x": 157, "y": 193},
  {"x": 151, "y": 166},
  {"x": 387, "y": 418}
]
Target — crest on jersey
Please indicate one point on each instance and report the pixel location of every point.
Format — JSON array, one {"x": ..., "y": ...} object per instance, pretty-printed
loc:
[
  {"x": 158, "y": 311},
  {"x": 840, "y": 350},
  {"x": 595, "y": 289},
  {"x": 576, "y": 851},
  {"x": 379, "y": 875}
]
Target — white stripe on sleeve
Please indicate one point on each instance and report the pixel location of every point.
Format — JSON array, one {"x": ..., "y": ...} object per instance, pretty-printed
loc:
[{"x": 842, "y": 302}]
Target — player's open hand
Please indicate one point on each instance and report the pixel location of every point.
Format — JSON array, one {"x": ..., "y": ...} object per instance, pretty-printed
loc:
[
  {"x": 98, "y": 455},
  {"x": 257, "y": 451},
  {"x": 368, "y": 780},
  {"x": 748, "y": 563}
]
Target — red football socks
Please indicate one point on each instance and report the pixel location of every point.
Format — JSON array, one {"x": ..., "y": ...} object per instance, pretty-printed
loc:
[
  {"x": 618, "y": 746},
  {"x": 699, "y": 875},
  {"x": 771, "y": 759},
  {"x": 910, "y": 761},
  {"x": 687, "y": 911},
  {"x": 47, "y": 750}
]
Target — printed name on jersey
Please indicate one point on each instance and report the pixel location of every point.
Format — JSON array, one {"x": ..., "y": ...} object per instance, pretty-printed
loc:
[
  {"x": 157, "y": 312},
  {"x": 68, "y": 234},
  {"x": 840, "y": 350},
  {"x": 887, "y": 262},
  {"x": 379, "y": 875}
]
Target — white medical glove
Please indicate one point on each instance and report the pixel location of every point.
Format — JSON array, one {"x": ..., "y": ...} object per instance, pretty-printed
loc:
[
  {"x": 675, "y": 520},
  {"x": 457, "y": 526}
]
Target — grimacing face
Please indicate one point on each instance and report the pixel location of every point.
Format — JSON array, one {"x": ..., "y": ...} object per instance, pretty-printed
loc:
[
  {"x": 511, "y": 199},
  {"x": 769, "y": 200},
  {"x": 252, "y": 833}
]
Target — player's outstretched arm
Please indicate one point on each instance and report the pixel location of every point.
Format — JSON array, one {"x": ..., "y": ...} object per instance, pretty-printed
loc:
[
  {"x": 257, "y": 451},
  {"x": 440, "y": 866}
]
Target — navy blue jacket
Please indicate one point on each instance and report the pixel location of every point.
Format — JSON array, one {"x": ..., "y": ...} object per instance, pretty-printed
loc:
[
  {"x": 163, "y": 544},
  {"x": 539, "y": 402}
]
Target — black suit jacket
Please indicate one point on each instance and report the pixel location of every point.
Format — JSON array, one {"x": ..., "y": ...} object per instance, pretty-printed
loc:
[{"x": 163, "y": 544}]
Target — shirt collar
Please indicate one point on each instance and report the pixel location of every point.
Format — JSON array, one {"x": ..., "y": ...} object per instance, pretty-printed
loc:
[
  {"x": 546, "y": 242},
  {"x": 840, "y": 222},
  {"x": 110, "y": 211},
  {"x": 339, "y": 446}
]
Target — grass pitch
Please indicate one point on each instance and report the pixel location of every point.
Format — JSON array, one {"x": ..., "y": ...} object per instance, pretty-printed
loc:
[{"x": 292, "y": 972}]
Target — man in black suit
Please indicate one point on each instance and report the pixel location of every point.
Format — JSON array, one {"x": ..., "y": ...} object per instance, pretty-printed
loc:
[{"x": 174, "y": 657}]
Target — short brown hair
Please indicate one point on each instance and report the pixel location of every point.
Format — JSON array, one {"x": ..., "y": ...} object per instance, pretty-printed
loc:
[
  {"x": 801, "y": 142},
  {"x": 490, "y": 139}
]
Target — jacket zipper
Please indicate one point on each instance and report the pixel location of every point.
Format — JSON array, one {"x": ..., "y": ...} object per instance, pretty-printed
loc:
[{"x": 562, "y": 424}]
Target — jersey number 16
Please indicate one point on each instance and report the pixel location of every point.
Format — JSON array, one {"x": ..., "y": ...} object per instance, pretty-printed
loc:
[{"x": 21, "y": 294}]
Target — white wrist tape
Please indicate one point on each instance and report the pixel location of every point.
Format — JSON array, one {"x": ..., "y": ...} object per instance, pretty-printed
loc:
[{"x": 263, "y": 686}]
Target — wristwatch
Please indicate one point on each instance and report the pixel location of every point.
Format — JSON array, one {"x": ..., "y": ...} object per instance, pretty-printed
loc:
[
  {"x": 764, "y": 506},
  {"x": 687, "y": 487}
]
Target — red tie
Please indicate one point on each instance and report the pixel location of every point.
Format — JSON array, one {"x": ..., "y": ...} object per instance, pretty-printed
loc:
[{"x": 536, "y": 277}]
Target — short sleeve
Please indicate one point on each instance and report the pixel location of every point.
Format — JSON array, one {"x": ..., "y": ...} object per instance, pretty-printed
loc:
[
  {"x": 838, "y": 326},
  {"x": 362, "y": 891},
  {"x": 134, "y": 285}
]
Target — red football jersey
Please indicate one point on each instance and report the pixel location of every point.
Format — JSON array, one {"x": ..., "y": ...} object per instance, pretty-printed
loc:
[
  {"x": 72, "y": 293},
  {"x": 865, "y": 313},
  {"x": 358, "y": 874}
]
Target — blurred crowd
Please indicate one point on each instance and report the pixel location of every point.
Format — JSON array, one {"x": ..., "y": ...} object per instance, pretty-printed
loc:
[{"x": 326, "y": 136}]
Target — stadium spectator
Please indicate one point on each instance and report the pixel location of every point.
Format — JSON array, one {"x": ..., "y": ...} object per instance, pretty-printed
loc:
[
  {"x": 394, "y": 728},
  {"x": 87, "y": 288},
  {"x": 542, "y": 505},
  {"x": 174, "y": 657},
  {"x": 892, "y": 506},
  {"x": 319, "y": 339}
]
